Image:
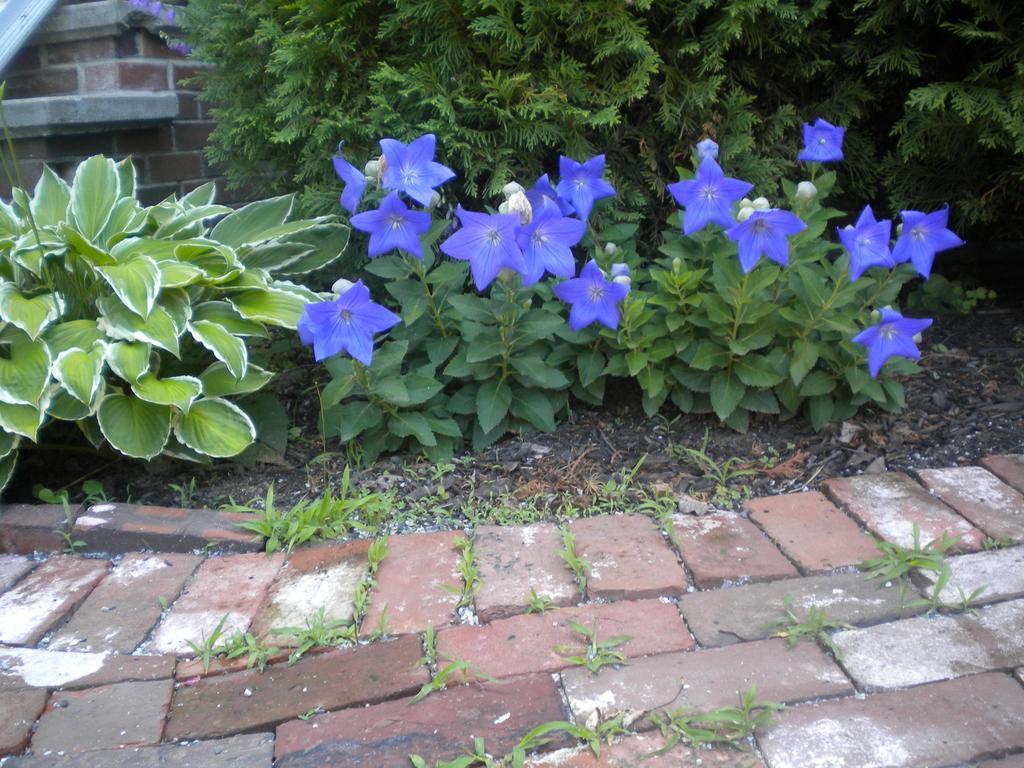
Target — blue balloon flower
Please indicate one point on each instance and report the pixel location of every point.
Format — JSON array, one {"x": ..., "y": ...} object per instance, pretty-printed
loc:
[
  {"x": 893, "y": 336},
  {"x": 488, "y": 243},
  {"x": 542, "y": 195},
  {"x": 546, "y": 243},
  {"x": 867, "y": 242},
  {"x": 582, "y": 183},
  {"x": 708, "y": 197},
  {"x": 393, "y": 226},
  {"x": 823, "y": 142},
  {"x": 346, "y": 324},
  {"x": 411, "y": 168},
  {"x": 355, "y": 183},
  {"x": 924, "y": 235},
  {"x": 764, "y": 233},
  {"x": 592, "y": 298}
]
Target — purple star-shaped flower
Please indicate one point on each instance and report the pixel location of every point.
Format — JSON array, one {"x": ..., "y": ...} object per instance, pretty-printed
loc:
[
  {"x": 707, "y": 148},
  {"x": 892, "y": 337},
  {"x": 488, "y": 243},
  {"x": 581, "y": 183},
  {"x": 393, "y": 226},
  {"x": 924, "y": 235},
  {"x": 708, "y": 197},
  {"x": 355, "y": 183},
  {"x": 547, "y": 242},
  {"x": 346, "y": 324},
  {"x": 541, "y": 195},
  {"x": 867, "y": 242},
  {"x": 765, "y": 233},
  {"x": 823, "y": 142},
  {"x": 411, "y": 168},
  {"x": 592, "y": 297}
]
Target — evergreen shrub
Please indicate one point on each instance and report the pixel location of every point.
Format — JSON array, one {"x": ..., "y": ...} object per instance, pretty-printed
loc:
[{"x": 933, "y": 91}]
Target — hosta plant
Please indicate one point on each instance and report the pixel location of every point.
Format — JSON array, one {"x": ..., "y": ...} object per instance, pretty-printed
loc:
[{"x": 133, "y": 321}]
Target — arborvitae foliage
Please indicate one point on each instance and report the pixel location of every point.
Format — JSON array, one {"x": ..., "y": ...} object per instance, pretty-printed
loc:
[{"x": 933, "y": 91}]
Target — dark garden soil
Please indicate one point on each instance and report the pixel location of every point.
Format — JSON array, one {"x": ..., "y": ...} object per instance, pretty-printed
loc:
[{"x": 968, "y": 402}]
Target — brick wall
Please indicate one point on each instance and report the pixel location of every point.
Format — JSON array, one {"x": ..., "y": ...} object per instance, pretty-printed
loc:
[{"x": 168, "y": 152}]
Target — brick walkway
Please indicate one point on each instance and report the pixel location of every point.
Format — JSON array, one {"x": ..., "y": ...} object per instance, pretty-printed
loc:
[{"x": 96, "y": 667}]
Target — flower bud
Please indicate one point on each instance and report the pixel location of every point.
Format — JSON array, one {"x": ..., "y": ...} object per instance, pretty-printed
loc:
[
  {"x": 744, "y": 213},
  {"x": 503, "y": 207},
  {"x": 511, "y": 188},
  {"x": 341, "y": 285},
  {"x": 806, "y": 191},
  {"x": 371, "y": 169},
  {"x": 619, "y": 269},
  {"x": 677, "y": 265},
  {"x": 507, "y": 275},
  {"x": 761, "y": 204},
  {"x": 517, "y": 203},
  {"x": 746, "y": 202},
  {"x": 382, "y": 166},
  {"x": 707, "y": 148},
  {"x": 918, "y": 338},
  {"x": 899, "y": 230},
  {"x": 611, "y": 249},
  {"x": 435, "y": 200},
  {"x": 623, "y": 280}
]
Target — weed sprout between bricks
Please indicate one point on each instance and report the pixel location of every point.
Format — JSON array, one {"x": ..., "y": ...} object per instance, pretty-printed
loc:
[{"x": 747, "y": 307}]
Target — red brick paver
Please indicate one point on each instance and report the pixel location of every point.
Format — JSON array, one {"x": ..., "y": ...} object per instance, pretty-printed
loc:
[
  {"x": 947, "y": 723},
  {"x": 247, "y": 751},
  {"x": 409, "y": 584},
  {"x": 637, "y": 750},
  {"x": 999, "y": 574},
  {"x": 890, "y": 503},
  {"x": 18, "y": 711},
  {"x": 514, "y": 560},
  {"x": 125, "y": 606},
  {"x": 112, "y": 716},
  {"x": 313, "y": 579},
  {"x": 40, "y": 668},
  {"x": 629, "y": 558},
  {"x": 45, "y": 596},
  {"x": 440, "y": 727},
  {"x": 704, "y": 680},
  {"x": 978, "y": 495},
  {"x": 723, "y": 548},
  {"x": 12, "y": 568},
  {"x": 235, "y": 585},
  {"x": 253, "y": 700},
  {"x": 127, "y": 527},
  {"x": 526, "y": 643},
  {"x": 1007, "y": 467},
  {"x": 28, "y": 528},
  {"x": 811, "y": 531}
]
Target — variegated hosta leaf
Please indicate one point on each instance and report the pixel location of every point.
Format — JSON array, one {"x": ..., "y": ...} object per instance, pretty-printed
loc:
[
  {"x": 229, "y": 349},
  {"x": 50, "y": 199},
  {"x": 67, "y": 408},
  {"x": 25, "y": 373},
  {"x": 217, "y": 380},
  {"x": 248, "y": 223},
  {"x": 215, "y": 427},
  {"x": 274, "y": 307},
  {"x": 133, "y": 426},
  {"x": 10, "y": 223},
  {"x": 275, "y": 255},
  {"x": 129, "y": 360},
  {"x": 73, "y": 333},
  {"x": 178, "y": 391},
  {"x": 178, "y": 274},
  {"x": 7, "y": 464},
  {"x": 178, "y": 305},
  {"x": 24, "y": 420},
  {"x": 136, "y": 283},
  {"x": 118, "y": 322},
  {"x": 186, "y": 216},
  {"x": 328, "y": 241},
  {"x": 33, "y": 314},
  {"x": 224, "y": 314},
  {"x": 84, "y": 247},
  {"x": 8, "y": 443},
  {"x": 81, "y": 372},
  {"x": 95, "y": 189}
]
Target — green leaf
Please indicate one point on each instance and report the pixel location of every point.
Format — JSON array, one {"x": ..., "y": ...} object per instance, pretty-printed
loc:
[
  {"x": 129, "y": 360},
  {"x": 275, "y": 255},
  {"x": 537, "y": 373},
  {"x": 709, "y": 355},
  {"x": 817, "y": 383},
  {"x": 493, "y": 399},
  {"x": 81, "y": 372},
  {"x": 215, "y": 427},
  {"x": 484, "y": 347},
  {"x": 805, "y": 357},
  {"x": 68, "y": 408},
  {"x": 134, "y": 427},
  {"x": 271, "y": 306},
  {"x": 355, "y": 418},
  {"x": 85, "y": 248},
  {"x": 32, "y": 315},
  {"x": 179, "y": 391},
  {"x": 590, "y": 364},
  {"x": 328, "y": 243},
  {"x": 756, "y": 371},
  {"x": 7, "y": 465},
  {"x": 421, "y": 388},
  {"x": 819, "y": 411},
  {"x": 227, "y": 348},
  {"x": 50, "y": 199},
  {"x": 136, "y": 283},
  {"x": 247, "y": 224},
  {"x": 118, "y": 322},
  {"x": 74, "y": 333},
  {"x": 412, "y": 424},
  {"x": 94, "y": 191},
  {"x": 217, "y": 380},
  {"x": 726, "y": 392},
  {"x": 23, "y": 420},
  {"x": 224, "y": 314},
  {"x": 25, "y": 372},
  {"x": 8, "y": 442},
  {"x": 179, "y": 274},
  {"x": 534, "y": 408},
  {"x": 390, "y": 267}
]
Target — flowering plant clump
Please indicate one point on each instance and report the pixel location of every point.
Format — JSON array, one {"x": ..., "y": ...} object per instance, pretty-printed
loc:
[{"x": 538, "y": 300}]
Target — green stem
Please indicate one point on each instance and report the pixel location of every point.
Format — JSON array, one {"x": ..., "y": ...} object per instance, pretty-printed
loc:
[
  {"x": 435, "y": 312},
  {"x": 741, "y": 307},
  {"x": 878, "y": 291},
  {"x": 823, "y": 309},
  {"x": 21, "y": 185}
]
